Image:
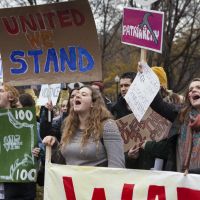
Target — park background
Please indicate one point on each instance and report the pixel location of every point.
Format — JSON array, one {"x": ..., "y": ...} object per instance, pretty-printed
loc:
[{"x": 181, "y": 44}]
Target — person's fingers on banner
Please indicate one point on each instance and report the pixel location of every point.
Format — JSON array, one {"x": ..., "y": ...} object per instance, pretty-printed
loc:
[{"x": 186, "y": 172}]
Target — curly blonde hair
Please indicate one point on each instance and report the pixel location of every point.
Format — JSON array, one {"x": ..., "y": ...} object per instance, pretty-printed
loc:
[
  {"x": 13, "y": 92},
  {"x": 98, "y": 114}
]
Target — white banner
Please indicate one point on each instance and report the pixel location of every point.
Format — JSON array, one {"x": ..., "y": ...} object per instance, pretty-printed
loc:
[{"x": 98, "y": 183}]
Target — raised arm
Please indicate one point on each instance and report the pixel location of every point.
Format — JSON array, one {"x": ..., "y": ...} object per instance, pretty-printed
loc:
[{"x": 167, "y": 110}]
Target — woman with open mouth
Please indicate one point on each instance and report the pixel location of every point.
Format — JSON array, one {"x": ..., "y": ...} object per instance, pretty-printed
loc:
[
  {"x": 186, "y": 123},
  {"x": 90, "y": 137}
]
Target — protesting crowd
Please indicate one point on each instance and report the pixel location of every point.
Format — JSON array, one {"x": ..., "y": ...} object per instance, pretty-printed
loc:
[
  {"x": 84, "y": 131},
  {"x": 56, "y": 145}
]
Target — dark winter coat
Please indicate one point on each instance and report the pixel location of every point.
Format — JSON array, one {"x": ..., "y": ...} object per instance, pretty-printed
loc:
[
  {"x": 120, "y": 109},
  {"x": 50, "y": 128}
]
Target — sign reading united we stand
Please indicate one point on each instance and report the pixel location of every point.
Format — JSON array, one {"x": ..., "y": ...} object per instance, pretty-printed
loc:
[{"x": 143, "y": 28}]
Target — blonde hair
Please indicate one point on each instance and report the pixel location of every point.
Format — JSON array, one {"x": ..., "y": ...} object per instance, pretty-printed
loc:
[
  {"x": 98, "y": 114},
  {"x": 13, "y": 92}
]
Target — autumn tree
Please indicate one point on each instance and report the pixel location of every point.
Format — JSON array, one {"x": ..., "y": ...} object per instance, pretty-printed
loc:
[{"x": 180, "y": 56}]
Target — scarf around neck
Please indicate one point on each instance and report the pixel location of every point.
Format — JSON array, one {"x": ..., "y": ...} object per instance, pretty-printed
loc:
[{"x": 190, "y": 138}]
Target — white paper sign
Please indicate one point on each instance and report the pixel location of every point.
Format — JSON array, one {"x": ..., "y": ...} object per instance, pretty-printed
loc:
[
  {"x": 49, "y": 92},
  {"x": 145, "y": 2},
  {"x": 142, "y": 91}
]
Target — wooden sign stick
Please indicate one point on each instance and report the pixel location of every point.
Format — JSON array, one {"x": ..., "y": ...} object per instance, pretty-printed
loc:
[
  {"x": 49, "y": 99},
  {"x": 143, "y": 56},
  {"x": 48, "y": 154}
]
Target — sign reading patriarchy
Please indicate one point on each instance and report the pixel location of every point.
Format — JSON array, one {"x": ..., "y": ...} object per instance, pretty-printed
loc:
[
  {"x": 143, "y": 28},
  {"x": 50, "y": 43},
  {"x": 17, "y": 139},
  {"x": 100, "y": 183},
  {"x": 152, "y": 127}
]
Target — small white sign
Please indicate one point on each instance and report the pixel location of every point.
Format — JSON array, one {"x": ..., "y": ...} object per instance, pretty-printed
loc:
[
  {"x": 142, "y": 91},
  {"x": 49, "y": 92},
  {"x": 145, "y": 2}
]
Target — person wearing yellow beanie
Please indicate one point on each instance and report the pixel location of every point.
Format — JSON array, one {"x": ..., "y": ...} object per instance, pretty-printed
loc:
[{"x": 160, "y": 72}]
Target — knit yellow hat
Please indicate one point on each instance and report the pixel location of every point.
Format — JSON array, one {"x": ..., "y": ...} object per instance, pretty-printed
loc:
[{"x": 160, "y": 72}]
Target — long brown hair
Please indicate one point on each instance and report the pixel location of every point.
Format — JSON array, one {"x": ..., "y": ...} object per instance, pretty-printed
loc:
[
  {"x": 187, "y": 108},
  {"x": 98, "y": 114}
]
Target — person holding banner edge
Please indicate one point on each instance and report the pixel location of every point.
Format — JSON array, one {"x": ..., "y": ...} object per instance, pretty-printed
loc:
[
  {"x": 90, "y": 137},
  {"x": 9, "y": 98}
]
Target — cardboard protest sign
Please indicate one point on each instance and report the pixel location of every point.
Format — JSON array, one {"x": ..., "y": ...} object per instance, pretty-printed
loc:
[
  {"x": 142, "y": 91},
  {"x": 143, "y": 28},
  {"x": 91, "y": 183},
  {"x": 50, "y": 43},
  {"x": 17, "y": 139},
  {"x": 152, "y": 127},
  {"x": 49, "y": 92}
]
